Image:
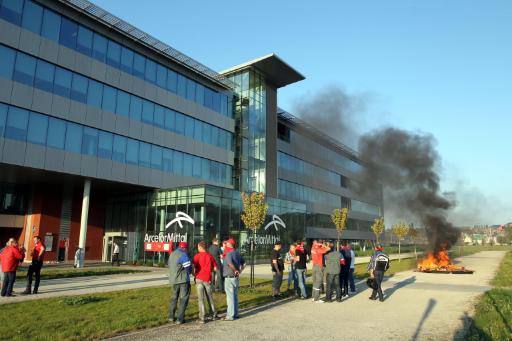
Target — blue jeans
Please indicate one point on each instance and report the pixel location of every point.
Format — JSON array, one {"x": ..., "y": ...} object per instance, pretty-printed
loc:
[
  {"x": 351, "y": 280},
  {"x": 301, "y": 282},
  {"x": 231, "y": 286}
]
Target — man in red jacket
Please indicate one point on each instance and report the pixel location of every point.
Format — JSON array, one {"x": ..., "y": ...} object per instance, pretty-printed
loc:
[
  {"x": 204, "y": 265},
  {"x": 317, "y": 256},
  {"x": 10, "y": 257}
]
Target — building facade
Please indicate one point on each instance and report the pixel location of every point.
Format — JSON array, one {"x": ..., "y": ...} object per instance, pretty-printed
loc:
[{"x": 106, "y": 133}]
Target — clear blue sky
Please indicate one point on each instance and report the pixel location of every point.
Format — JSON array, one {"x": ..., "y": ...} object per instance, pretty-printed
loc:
[{"x": 443, "y": 67}]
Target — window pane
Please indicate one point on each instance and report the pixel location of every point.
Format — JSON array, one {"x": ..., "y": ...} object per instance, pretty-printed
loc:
[
  {"x": 161, "y": 76},
  {"x": 191, "y": 90},
  {"x": 196, "y": 171},
  {"x": 37, "y": 127},
  {"x": 177, "y": 163},
  {"x": 180, "y": 124},
  {"x": 147, "y": 112},
  {"x": 99, "y": 49},
  {"x": 17, "y": 121},
  {"x": 7, "y": 56},
  {"x": 32, "y": 17},
  {"x": 119, "y": 149},
  {"x": 172, "y": 80},
  {"x": 199, "y": 94},
  {"x": 95, "y": 94},
  {"x": 189, "y": 126},
  {"x": 207, "y": 133},
  {"x": 90, "y": 141},
  {"x": 216, "y": 102},
  {"x": 44, "y": 76},
  {"x": 198, "y": 130},
  {"x": 167, "y": 160},
  {"x": 182, "y": 86},
  {"x": 132, "y": 152},
  {"x": 25, "y": 69},
  {"x": 126, "y": 59},
  {"x": 223, "y": 139},
  {"x": 170, "y": 119},
  {"x": 84, "y": 40},
  {"x": 79, "y": 88},
  {"x": 145, "y": 154},
  {"x": 62, "y": 84},
  {"x": 68, "y": 33},
  {"x": 224, "y": 104},
  {"x": 51, "y": 25},
  {"x": 139, "y": 65},
  {"x": 214, "y": 136},
  {"x": 123, "y": 103},
  {"x": 12, "y": 11},
  {"x": 205, "y": 169},
  {"x": 158, "y": 117},
  {"x": 73, "y": 137},
  {"x": 113, "y": 54},
  {"x": 135, "y": 108},
  {"x": 109, "y": 99},
  {"x": 56, "y": 133},
  {"x": 105, "y": 145},
  {"x": 208, "y": 98},
  {"x": 150, "y": 71},
  {"x": 156, "y": 157},
  {"x": 187, "y": 165},
  {"x": 3, "y": 118}
]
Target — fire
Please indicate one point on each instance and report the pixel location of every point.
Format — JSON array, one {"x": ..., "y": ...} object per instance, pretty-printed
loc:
[{"x": 439, "y": 261}]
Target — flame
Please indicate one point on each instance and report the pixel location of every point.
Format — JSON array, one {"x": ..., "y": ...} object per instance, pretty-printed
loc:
[{"x": 439, "y": 261}]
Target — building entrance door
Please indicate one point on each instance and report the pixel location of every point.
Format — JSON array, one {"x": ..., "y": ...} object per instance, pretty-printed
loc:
[{"x": 108, "y": 246}]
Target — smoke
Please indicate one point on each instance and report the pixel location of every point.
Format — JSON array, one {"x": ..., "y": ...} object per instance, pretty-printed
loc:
[{"x": 406, "y": 165}]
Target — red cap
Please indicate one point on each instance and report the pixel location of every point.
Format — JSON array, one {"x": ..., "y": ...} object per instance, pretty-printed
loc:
[
  {"x": 231, "y": 241},
  {"x": 379, "y": 248},
  {"x": 183, "y": 245}
]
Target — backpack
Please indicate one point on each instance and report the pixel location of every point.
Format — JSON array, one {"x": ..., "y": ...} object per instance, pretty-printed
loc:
[{"x": 382, "y": 262}]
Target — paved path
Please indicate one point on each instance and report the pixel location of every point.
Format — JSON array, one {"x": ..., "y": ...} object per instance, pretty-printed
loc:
[{"x": 418, "y": 306}]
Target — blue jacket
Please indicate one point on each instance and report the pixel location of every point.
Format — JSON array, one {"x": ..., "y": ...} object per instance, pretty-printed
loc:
[{"x": 179, "y": 267}]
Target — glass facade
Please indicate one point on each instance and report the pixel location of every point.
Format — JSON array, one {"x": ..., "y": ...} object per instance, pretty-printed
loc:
[
  {"x": 35, "y": 72},
  {"x": 45, "y": 22}
]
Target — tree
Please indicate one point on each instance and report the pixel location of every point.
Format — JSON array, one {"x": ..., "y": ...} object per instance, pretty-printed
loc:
[
  {"x": 413, "y": 233},
  {"x": 253, "y": 216},
  {"x": 400, "y": 230},
  {"x": 339, "y": 218},
  {"x": 378, "y": 227}
]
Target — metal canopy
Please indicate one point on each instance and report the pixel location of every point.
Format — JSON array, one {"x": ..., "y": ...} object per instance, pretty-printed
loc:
[{"x": 110, "y": 20}]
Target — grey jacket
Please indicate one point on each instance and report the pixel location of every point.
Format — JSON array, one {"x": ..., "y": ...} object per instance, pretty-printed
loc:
[
  {"x": 332, "y": 262},
  {"x": 179, "y": 267}
]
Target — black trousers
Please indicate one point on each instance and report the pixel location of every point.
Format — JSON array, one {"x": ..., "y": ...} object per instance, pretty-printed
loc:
[
  {"x": 115, "y": 258},
  {"x": 182, "y": 292},
  {"x": 379, "y": 276},
  {"x": 34, "y": 269},
  {"x": 345, "y": 272},
  {"x": 333, "y": 283},
  {"x": 9, "y": 279},
  {"x": 217, "y": 282}
]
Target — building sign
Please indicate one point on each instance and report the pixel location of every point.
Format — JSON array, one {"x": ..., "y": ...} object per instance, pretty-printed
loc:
[
  {"x": 268, "y": 238},
  {"x": 163, "y": 242},
  {"x": 48, "y": 242}
]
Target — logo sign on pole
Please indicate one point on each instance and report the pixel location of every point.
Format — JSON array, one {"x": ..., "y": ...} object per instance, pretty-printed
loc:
[
  {"x": 274, "y": 222},
  {"x": 163, "y": 242},
  {"x": 270, "y": 238}
]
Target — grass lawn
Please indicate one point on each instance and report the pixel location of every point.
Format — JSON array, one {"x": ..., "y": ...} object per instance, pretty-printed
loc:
[
  {"x": 49, "y": 273},
  {"x": 463, "y": 250},
  {"x": 101, "y": 315}
]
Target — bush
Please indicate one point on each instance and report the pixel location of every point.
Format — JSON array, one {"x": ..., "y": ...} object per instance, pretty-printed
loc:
[
  {"x": 149, "y": 262},
  {"x": 161, "y": 264}
]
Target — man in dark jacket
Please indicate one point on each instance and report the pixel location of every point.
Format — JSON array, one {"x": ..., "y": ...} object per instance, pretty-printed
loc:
[
  {"x": 215, "y": 251},
  {"x": 35, "y": 267},
  {"x": 10, "y": 259},
  {"x": 333, "y": 262},
  {"x": 379, "y": 263},
  {"x": 345, "y": 269},
  {"x": 301, "y": 258},
  {"x": 179, "y": 278}
]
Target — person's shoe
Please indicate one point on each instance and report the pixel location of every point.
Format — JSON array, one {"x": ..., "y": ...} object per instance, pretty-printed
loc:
[
  {"x": 179, "y": 322},
  {"x": 338, "y": 301},
  {"x": 228, "y": 319},
  {"x": 171, "y": 320},
  {"x": 275, "y": 297},
  {"x": 26, "y": 292},
  {"x": 12, "y": 295},
  {"x": 372, "y": 298},
  {"x": 214, "y": 317},
  {"x": 328, "y": 301},
  {"x": 34, "y": 292},
  {"x": 381, "y": 300},
  {"x": 344, "y": 296},
  {"x": 201, "y": 321},
  {"x": 319, "y": 301}
]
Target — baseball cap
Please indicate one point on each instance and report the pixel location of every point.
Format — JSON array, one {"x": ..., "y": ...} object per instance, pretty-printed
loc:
[
  {"x": 183, "y": 245},
  {"x": 231, "y": 241}
]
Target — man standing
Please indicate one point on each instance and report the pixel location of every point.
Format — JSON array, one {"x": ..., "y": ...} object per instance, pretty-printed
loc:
[
  {"x": 345, "y": 269},
  {"x": 179, "y": 278},
  {"x": 10, "y": 257},
  {"x": 115, "y": 255},
  {"x": 317, "y": 254},
  {"x": 333, "y": 261},
  {"x": 234, "y": 264},
  {"x": 35, "y": 268},
  {"x": 379, "y": 263},
  {"x": 204, "y": 265},
  {"x": 277, "y": 265},
  {"x": 216, "y": 252},
  {"x": 301, "y": 258},
  {"x": 351, "y": 271},
  {"x": 292, "y": 273}
]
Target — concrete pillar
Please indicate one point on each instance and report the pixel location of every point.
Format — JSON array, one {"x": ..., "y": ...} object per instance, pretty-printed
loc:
[{"x": 83, "y": 221}]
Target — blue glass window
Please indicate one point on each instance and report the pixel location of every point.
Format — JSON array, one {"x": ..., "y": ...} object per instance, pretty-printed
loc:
[
  {"x": 62, "y": 84},
  {"x": 84, "y": 41},
  {"x": 37, "y": 128},
  {"x": 126, "y": 59},
  {"x": 32, "y": 17},
  {"x": 207, "y": 133},
  {"x": 56, "y": 133},
  {"x": 208, "y": 94},
  {"x": 95, "y": 94},
  {"x": 156, "y": 157},
  {"x": 139, "y": 65},
  {"x": 12, "y": 10},
  {"x": 119, "y": 149},
  {"x": 135, "y": 108},
  {"x": 187, "y": 165},
  {"x": 68, "y": 33},
  {"x": 161, "y": 76},
  {"x": 167, "y": 160},
  {"x": 7, "y": 56},
  {"x": 99, "y": 47},
  {"x": 199, "y": 94},
  {"x": 109, "y": 99},
  {"x": 177, "y": 163},
  {"x": 215, "y": 136},
  {"x": 191, "y": 90},
  {"x": 51, "y": 25},
  {"x": 205, "y": 169},
  {"x": 169, "y": 120},
  {"x": 182, "y": 86},
  {"x": 180, "y": 124},
  {"x": 158, "y": 117},
  {"x": 73, "y": 137},
  {"x": 224, "y": 104},
  {"x": 114, "y": 54},
  {"x": 90, "y": 141},
  {"x": 44, "y": 76},
  {"x": 16, "y": 127},
  {"x": 189, "y": 126},
  {"x": 223, "y": 137},
  {"x": 25, "y": 69},
  {"x": 79, "y": 88},
  {"x": 198, "y": 130},
  {"x": 147, "y": 112},
  {"x": 172, "y": 81},
  {"x": 196, "y": 170},
  {"x": 216, "y": 102},
  {"x": 150, "y": 71},
  {"x": 105, "y": 145},
  {"x": 132, "y": 152},
  {"x": 3, "y": 118},
  {"x": 123, "y": 103},
  {"x": 144, "y": 154}
]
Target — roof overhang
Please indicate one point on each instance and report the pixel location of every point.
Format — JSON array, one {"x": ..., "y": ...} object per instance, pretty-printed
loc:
[{"x": 276, "y": 71}]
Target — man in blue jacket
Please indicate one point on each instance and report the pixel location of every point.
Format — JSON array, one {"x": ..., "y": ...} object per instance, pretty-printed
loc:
[
  {"x": 179, "y": 278},
  {"x": 379, "y": 263}
]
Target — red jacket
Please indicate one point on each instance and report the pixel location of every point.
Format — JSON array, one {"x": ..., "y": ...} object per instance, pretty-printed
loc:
[
  {"x": 317, "y": 254},
  {"x": 10, "y": 257}
]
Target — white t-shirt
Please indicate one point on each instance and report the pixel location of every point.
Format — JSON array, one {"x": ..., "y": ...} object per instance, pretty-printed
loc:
[{"x": 116, "y": 248}]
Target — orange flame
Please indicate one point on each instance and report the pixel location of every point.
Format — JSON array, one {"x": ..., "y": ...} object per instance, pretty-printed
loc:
[{"x": 439, "y": 261}]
